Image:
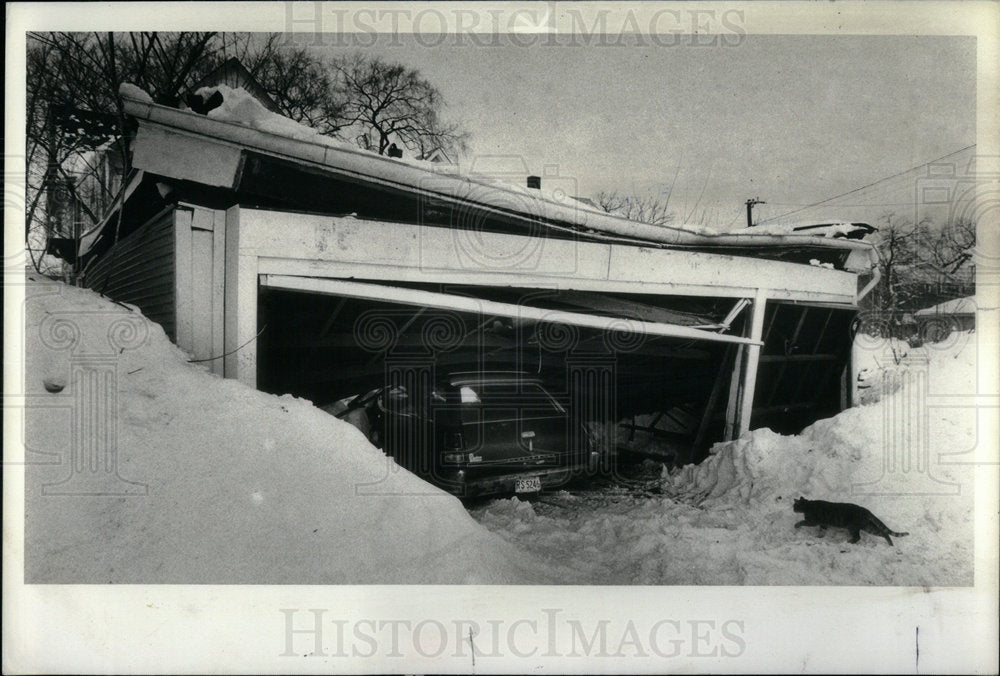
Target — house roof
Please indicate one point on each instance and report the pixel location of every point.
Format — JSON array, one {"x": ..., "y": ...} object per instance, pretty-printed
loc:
[
  {"x": 272, "y": 136},
  {"x": 233, "y": 73},
  {"x": 956, "y": 306}
]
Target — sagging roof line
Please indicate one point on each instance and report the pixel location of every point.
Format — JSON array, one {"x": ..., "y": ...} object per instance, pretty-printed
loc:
[{"x": 385, "y": 171}]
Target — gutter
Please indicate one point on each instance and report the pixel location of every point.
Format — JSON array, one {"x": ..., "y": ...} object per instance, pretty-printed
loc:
[
  {"x": 876, "y": 274},
  {"x": 466, "y": 190}
]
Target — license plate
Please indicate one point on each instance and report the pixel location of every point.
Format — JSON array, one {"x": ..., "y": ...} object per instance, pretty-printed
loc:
[{"x": 531, "y": 484}]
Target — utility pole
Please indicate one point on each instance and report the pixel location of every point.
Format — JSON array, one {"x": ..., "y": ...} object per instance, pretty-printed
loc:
[{"x": 750, "y": 206}]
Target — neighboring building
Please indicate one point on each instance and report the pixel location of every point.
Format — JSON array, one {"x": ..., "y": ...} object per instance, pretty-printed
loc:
[
  {"x": 437, "y": 156},
  {"x": 234, "y": 74},
  {"x": 927, "y": 285},
  {"x": 936, "y": 323},
  {"x": 301, "y": 264}
]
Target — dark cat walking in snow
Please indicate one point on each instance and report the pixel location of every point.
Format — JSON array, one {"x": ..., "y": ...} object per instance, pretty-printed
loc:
[{"x": 854, "y": 518}]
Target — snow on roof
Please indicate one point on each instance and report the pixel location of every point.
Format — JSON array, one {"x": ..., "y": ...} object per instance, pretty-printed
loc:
[
  {"x": 127, "y": 90},
  {"x": 956, "y": 306},
  {"x": 822, "y": 229},
  {"x": 242, "y": 108},
  {"x": 241, "y": 486},
  {"x": 274, "y": 134}
]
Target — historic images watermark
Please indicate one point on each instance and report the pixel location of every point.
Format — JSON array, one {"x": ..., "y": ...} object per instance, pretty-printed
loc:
[
  {"x": 545, "y": 24},
  {"x": 550, "y": 634},
  {"x": 956, "y": 211},
  {"x": 422, "y": 348},
  {"x": 964, "y": 192},
  {"x": 80, "y": 390},
  {"x": 500, "y": 220}
]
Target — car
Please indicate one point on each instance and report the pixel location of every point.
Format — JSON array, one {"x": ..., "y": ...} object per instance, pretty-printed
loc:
[{"x": 476, "y": 434}]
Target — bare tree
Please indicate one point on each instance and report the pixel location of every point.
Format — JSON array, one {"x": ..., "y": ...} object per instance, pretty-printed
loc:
[
  {"x": 300, "y": 84},
  {"x": 73, "y": 109},
  {"x": 388, "y": 102},
  {"x": 75, "y": 116},
  {"x": 899, "y": 252},
  {"x": 647, "y": 209},
  {"x": 951, "y": 247}
]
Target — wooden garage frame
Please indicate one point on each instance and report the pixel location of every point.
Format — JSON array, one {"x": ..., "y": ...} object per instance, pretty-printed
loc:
[
  {"x": 225, "y": 250},
  {"x": 348, "y": 256}
]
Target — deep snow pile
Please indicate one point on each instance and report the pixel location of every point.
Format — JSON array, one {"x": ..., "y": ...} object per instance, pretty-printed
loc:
[
  {"x": 729, "y": 520},
  {"x": 241, "y": 486}
]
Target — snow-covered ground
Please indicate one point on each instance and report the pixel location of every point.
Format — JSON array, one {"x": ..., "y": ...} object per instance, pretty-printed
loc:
[
  {"x": 241, "y": 486},
  {"x": 246, "y": 487},
  {"x": 729, "y": 520}
]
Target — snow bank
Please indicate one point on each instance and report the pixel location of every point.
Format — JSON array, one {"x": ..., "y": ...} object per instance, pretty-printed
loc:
[
  {"x": 729, "y": 520},
  {"x": 229, "y": 485},
  {"x": 887, "y": 456}
]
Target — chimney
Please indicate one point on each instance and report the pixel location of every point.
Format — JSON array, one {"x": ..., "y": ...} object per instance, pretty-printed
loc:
[{"x": 535, "y": 182}]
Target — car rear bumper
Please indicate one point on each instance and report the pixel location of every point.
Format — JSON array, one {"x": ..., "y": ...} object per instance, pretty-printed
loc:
[{"x": 465, "y": 486}]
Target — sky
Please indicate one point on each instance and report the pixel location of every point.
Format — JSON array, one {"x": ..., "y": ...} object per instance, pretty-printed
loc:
[{"x": 789, "y": 119}]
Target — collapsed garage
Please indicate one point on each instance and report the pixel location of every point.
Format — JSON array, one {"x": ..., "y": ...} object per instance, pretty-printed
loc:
[{"x": 306, "y": 267}]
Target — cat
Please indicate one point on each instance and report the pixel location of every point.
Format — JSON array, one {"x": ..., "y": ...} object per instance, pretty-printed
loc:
[{"x": 854, "y": 518}]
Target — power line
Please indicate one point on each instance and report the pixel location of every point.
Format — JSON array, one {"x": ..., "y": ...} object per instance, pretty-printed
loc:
[
  {"x": 868, "y": 185},
  {"x": 869, "y": 204}
]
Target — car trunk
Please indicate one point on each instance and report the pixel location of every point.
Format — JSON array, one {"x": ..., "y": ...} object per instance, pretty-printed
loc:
[{"x": 513, "y": 424}]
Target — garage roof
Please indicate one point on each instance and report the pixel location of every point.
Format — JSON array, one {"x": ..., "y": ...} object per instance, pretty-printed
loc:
[{"x": 191, "y": 147}]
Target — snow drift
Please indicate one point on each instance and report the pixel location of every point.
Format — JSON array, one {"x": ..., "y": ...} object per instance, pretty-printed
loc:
[
  {"x": 729, "y": 520},
  {"x": 219, "y": 483}
]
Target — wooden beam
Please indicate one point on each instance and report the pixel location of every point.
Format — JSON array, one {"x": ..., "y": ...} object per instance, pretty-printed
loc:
[
  {"x": 420, "y": 298},
  {"x": 330, "y": 246},
  {"x": 789, "y": 344},
  {"x": 183, "y": 289},
  {"x": 218, "y": 291},
  {"x": 749, "y": 384},
  {"x": 241, "y": 303},
  {"x": 713, "y": 397},
  {"x": 783, "y": 408},
  {"x": 732, "y": 406}
]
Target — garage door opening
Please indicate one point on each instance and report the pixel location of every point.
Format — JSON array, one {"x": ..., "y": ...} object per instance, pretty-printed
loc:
[{"x": 610, "y": 359}]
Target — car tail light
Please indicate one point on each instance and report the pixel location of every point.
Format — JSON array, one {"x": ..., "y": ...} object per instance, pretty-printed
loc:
[{"x": 457, "y": 457}]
